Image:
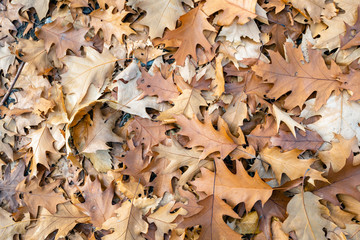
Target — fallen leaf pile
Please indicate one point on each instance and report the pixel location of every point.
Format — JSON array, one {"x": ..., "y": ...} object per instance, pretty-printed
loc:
[{"x": 180, "y": 119}]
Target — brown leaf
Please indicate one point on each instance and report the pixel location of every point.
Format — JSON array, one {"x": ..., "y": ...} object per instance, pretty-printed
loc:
[
  {"x": 352, "y": 83},
  {"x": 211, "y": 219},
  {"x": 41, "y": 143},
  {"x": 35, "y": 196},
  {"x": 8, "y": 185},
  {"x": 344, "y": 181},
  {"x": 235, "y": 188},
  {"x": 156, "y": 85},
  {"x": 309, "y": 140},
  {"x": 306, "y": 77},
  {"x": 306, "y": 217},
  {"x": 147, "y": 132},
  {"x": 190, "y": 34},
  {"x": 204, "y": 134},
  {"x": 290, "y": 164},
  {"x": 98, "y": 203},
  {"x": 63, "y": 37}
]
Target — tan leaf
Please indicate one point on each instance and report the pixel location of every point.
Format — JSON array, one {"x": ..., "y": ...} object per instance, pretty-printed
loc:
[
  {"x": 289, "y": 163},
  {"x": 8, "y": 227},
  {"x": 339, "y": 152},
  {"x": 6, "y": 58},
  {"x": 41, "y": 7},
  {"x": 231, "y": 9},
  {"x": 127, "y": 225},
  {"x": 99, "y": 132},
  {"x": 163, "y": 219},
  {"x": 64, "y": 220},
  {"x": 110, "y": 23},
  {"x": 180, "y": 157},
  {"x": 188, "y": 103},
  {"x": 170, "y": 11},
  {"x": 41, "y": 143},
  {"x": 306, "y": 217},
  {"x": 282, "y": 116},
  {"x": 338, "y": 115},
  {"x": 130, "y": 98},
  {"x": 84, "y": 72}
]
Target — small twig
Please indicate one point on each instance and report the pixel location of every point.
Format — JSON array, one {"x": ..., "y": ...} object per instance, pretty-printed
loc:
[{"x": 12, "y": 84}]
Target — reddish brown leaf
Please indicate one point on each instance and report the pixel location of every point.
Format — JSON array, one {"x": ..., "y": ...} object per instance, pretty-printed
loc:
[
  {"x": 211, "y": 219},
  {"x": 346, "y": 181},
  {"x": 304, "y": 141}
]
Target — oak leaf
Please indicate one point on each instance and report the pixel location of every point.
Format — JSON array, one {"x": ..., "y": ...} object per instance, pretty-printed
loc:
[
  {"x": 282, "y": 116},
  {"x": 170, "y": 11},
  {"x": 163, "y": 219},
  {"x": 188, "y": 103},
  {"x": 306, "y": 217},
  {"x": 34, "y": 53},
  {"x": 98, "y": 203},
  {"x": 235, "y": 188},
  {"x": 85, "y": 73},
  {"x": 211, "y": 219},
  {"x": 190, "y": 34},
  {"x": 231, "y": 9},
  {"x": 345, "y": 181},
  {"x": 8, "y": 185},
  {"x": 127, "y": 224},
  {"x": 306, "y": 77},
  {"x": 339, "y": 115},
  {"x": 290, "y": 164},
  {"x": 178, "y": 157},
  {"x": 64, "y": 220},
  {"x": 156, "y": 85},
  {"x": 204, "y": 134},
  {"x": 35, "y": 196},
  {"x": 41, "y": 7},
  {"x": 6, "y": 58},
  {"x": 236, "y": 113},
  {"x": 309, "y": 140},
  {"x": 352, "y": 83},
  {"x": 339, "y": 152},
  {"x": 41, "y": 143},
  {"x": 63, "y": 37},
  {"x": 130, "y": 98},
  {"x": 315, "y": 8},
  {"x": 147, "y": 132},
  {"x": 110, "y": 23},
  {"x": 98, "y": 133},
  {"x": 274, "y": 207},
  {"x": 8, "y": 227}
]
